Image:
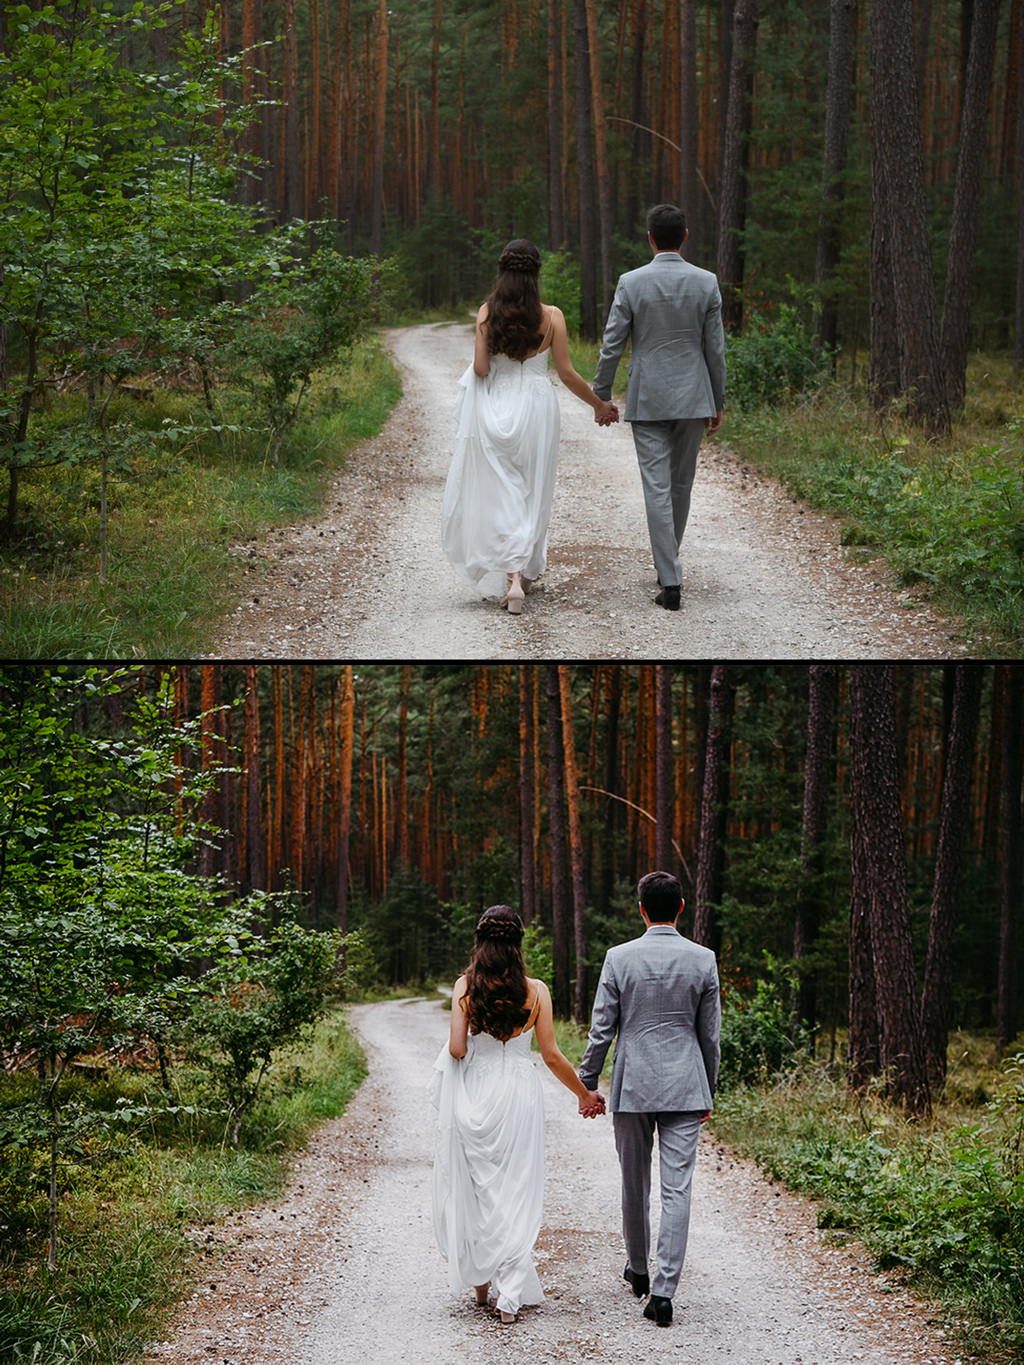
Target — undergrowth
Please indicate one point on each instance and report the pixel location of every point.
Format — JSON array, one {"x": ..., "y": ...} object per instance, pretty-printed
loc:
[
  {"x": 940, "y": 1201},
  {"x": 173, "y": 522},
  {"x": 124, "y": 1258}
]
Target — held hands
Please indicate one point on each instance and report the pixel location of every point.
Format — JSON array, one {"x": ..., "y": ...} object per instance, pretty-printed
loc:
[
  {"x": 606, "y": 414},
  {"x": 592, "y": 1105}
]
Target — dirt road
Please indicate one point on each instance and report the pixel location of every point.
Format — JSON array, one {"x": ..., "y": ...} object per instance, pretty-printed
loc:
[
  {"x": 764, "y": 576},
  {"x": 343, "y": 1270}
]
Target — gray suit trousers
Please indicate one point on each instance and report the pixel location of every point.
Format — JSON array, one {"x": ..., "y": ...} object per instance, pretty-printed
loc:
[
  {"x": 677, "y": 1147},
  {"x": 667, "y": 455}
]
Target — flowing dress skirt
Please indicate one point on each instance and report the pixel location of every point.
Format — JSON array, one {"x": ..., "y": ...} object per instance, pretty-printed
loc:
[
  {"x": 497, "y": 499},
  {"x": 488, "y": 1186}
]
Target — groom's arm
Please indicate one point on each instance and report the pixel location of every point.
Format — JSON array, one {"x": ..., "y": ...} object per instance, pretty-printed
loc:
[
  {"x": 604, "y": 1025},
  {"x": 709, "y": 1027},
  {"x": 616, "y": 334},
  {"x": 713, "y": 345}
]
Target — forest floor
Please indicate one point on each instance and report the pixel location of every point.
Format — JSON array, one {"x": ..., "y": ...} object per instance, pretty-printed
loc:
[
  {"x": 343, "y": 1268},
  {"x": 765, "y": 576}
]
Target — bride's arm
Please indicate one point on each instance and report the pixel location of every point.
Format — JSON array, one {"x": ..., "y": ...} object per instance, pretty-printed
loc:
[
  {"x": 569, "y": 376},
  {"x": 481, "y": 355},
  {"x": 554, "y": 1059},
  {"x": 459, "y": 1033}
]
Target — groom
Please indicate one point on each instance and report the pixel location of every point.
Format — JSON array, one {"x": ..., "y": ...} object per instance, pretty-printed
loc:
[
  {"x": 659, "y": 994},
  {"x": 672, "y": 312}
]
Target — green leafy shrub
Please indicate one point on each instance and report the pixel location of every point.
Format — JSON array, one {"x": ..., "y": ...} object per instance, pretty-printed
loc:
[
  {"x": 772, "y": 360},
  {"x": 759, "y": 1038},
  {"x": 560, "y": 285},
  {"x": 275, "y": 991}
]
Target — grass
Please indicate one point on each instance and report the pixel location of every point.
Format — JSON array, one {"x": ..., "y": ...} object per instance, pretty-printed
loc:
[
  {"x": 947, "y": 516},
  {"x": 124, "y": 1260},
  {"x": 940, "y": 1202},
  {"x": 172, "y": 574}
]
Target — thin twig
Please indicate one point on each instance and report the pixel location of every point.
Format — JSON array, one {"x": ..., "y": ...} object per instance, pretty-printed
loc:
[{"x": 647, "y": 816}]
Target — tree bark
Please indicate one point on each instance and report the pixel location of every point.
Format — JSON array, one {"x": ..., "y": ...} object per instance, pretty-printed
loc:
[
  {"x": 842, "y": 47},
  {"x": 664, "y": 796},
  {"x": 714, "y": 806},
  {"x": 556, "y": 821},
  {"x": 347, "y": 721},
  {"x": 732, "y": 191},
  {"x": 588, "y": 212},
  {"x": 556, "y": 121},
  {"x": 900, "y": 207},
  {"x": 690, "y": 189},
  {"x": 821, "y": 731},
  {"x": 255, "y": 859},
  {"x": 936, "y": 996},
  {"x": 963, "y": 233},
  {"x": 879, "y": 860},
  {"x": 1009, "y": 683},
  {"x": 572, "y": 796},
  {"x": 379, "y": 132},
  {"x": 527, "y": 759}
]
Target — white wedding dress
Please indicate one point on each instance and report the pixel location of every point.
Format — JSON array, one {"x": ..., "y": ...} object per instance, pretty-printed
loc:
[
  {"x": 489, "y": 1167},
  {"x": 497, "y": 500}
]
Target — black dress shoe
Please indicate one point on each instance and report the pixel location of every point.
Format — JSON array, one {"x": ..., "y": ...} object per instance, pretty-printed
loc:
[
  {"x": 659, "y": 1310},
  {"x": 669, "y": 598},
  {"x": 639, "y": 1282}
]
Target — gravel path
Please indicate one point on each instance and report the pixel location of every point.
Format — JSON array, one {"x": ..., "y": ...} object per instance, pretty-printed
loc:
[
  {"x": 764, "y": 575},
  {"x": 343, "y": 1269}
]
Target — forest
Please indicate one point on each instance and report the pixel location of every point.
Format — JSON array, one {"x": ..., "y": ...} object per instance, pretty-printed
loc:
[
  {"x": 198, "y": 862},
  {"x": 209, "y": 210}
]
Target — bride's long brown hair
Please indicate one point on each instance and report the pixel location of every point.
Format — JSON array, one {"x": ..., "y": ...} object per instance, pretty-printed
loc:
[
  {"x": 496, "y": 989},
  {"x": 513, "y": 307}
]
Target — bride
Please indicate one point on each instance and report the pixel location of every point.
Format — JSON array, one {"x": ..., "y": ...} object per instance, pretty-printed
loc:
[
  {"x": 489, "y": 1158},
  {"x": 497, "y": 500}
]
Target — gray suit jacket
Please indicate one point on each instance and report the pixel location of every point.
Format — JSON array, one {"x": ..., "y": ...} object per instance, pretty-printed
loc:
[
  {"x": 659, "y": 993},
  {"x": 672, "y": 310}
]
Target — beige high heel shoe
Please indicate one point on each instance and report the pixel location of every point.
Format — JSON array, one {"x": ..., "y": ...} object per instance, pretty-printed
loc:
[{"x": 514, "y": 595}]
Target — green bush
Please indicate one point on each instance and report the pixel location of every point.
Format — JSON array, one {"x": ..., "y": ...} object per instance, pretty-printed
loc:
[
  {"x": 276, "y": 992},
  {"x": 560, "y": 286},
  {"x": 759, "y": 1038},
  {"x": 772, "y": 360}
]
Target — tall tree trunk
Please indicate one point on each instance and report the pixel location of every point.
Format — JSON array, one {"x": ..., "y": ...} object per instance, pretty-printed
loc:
[
  {"x": 1010, "y": 684},
  {"x": 527, "y": 759},
  {"x": 558, "y": 854},
  {"x": 691, "y": 191},
  {"x": 714, "y": 806},
  {"x": 961, "y": 735},
  {"x": 347, "y": 722},
  {"x": 572, "y": 796},
  {"x": 379, "y": 132},
  {"x": 433, "y": 185},
  {"x": 821, "y": 730},
  {"x": 587, "y": 199},
  {"x": 863, "y": 1052},
  {"x": 879, "y": 859},
  {"x": 899, "y": 205},
  {"x": 209, "y": 755},
  {"x": 732, "y": 191},
  {"x": 664, "y": 796},
  {"x": 956, "y": 310},
  {"x": 556, "y": 120},
  {"x": 842, "y": 47},
  {"x": 291, "y": 169},
  {"x": 602, "y": 176},
  {"x": 255, "y": 853}
]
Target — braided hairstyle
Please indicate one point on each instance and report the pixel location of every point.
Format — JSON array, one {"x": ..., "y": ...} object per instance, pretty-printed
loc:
[
  {"x": 496, "y": 989},
  {"x": 513, "y": 306}
]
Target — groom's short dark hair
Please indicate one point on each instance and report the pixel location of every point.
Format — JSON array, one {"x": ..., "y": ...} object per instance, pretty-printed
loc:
[
  {"x": 661, "y": 896},
  {"x": 667, "y": 225}
]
